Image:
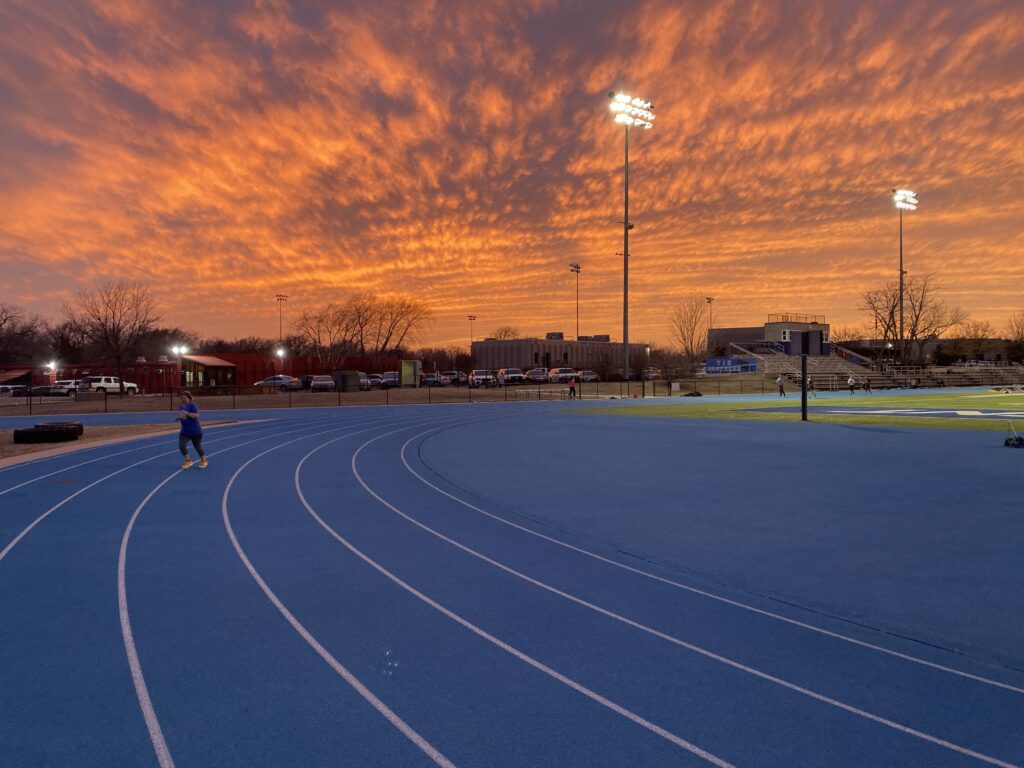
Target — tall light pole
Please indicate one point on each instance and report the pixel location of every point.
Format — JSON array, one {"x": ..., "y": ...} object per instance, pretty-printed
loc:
[
  {"x": 628, "y": 111},
  {"x": 575, "y": 267},
  {"x": 179, "y": 350},
  {"x": 281, "y": 299},
  {"x": 905, "y": 201},
  {"x": 471, "y": 318},
  {"x": 711, "y": 321}
]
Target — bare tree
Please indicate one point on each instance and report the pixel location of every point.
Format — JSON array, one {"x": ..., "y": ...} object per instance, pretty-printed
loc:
[
  {"x": 926, "y": 316},
  {"x": 506, "y": 332},
  {"x": 843, "y": 334},
  {"x": 398, "y": 321},
  {"x": 883, "y": 306},
  {"x": 1015, "y": 327},
  {"x": 114, "y": 317},
  {"x": 329, "y": 332},
  {"x": 23, "y": 337},
  {"x": 969, "y": 339},
  {"x": 689, "y": 326}
]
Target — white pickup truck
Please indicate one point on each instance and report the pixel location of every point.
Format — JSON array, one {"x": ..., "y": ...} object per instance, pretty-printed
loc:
[{"x": 106, "y": 384}]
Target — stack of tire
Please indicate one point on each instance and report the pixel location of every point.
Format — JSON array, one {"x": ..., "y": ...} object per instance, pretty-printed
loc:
[{"x": 50, "y": 432}]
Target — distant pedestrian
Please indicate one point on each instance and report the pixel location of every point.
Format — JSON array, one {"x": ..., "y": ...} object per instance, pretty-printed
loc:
[
  {"x": 782, "y": 385},
  {"x": 852, "y": 382},
  {"x": 867, "y": 386},
  {"x": 810, "y": 386},
  {"x": 572, "y": 389},
  {"x": 191, "y": 431}
]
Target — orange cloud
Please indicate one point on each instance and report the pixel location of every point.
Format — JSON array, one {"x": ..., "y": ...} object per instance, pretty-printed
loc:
[{"x": 463, "y": 153}]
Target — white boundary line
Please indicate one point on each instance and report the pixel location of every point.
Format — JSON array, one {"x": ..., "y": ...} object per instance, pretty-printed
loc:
[
  {"x": 27, "y": 529},
  {"x": 391, "y": 716},
  {"x": 696, "y": 591},
  {"x": 672, "y": 639},
  {"x": 156, "y": 735},
  {"x": 578, "y": 687},
  {"x": 164, "y": 439}
]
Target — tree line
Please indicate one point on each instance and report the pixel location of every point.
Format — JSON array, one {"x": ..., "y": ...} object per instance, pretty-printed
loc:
[{"x": 119, "y": 321}]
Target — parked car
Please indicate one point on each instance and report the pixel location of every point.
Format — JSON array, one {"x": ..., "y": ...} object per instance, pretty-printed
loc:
[
  {"x": 364, "y": 381},
  {"x": 651, "y": 374},
  {"x": 66, "y": 387},
  {"x": 280, "y": 382},
  {"x": 562, "y": 375},
  {"x": 390, "y": 380},
  {"x": 511, "y": 376},
  {"x": 589, "y": 376},
  {"x": 537, "y": 375},
  {"x": 456, "y": 378},
  {"x": 482, "y": 378},
  {"x": 321, "y": 384},
  {"x": 306, "y": 381},
  {"x": 42, "y": 390},
  {"x": 107, "y": 384},
  {"x": 434, "y": 379},
  {"x": 375, "y": 379},
  {"x": 13, "y": 390}
]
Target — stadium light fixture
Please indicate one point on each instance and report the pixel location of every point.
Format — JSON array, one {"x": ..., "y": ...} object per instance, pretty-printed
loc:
[
  {"x": 639, "y": 113},
  {"x": 905, "y": 200}
]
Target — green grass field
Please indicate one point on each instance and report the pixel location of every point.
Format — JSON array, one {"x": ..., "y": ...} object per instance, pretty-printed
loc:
[{"x": 757, "y": 410}]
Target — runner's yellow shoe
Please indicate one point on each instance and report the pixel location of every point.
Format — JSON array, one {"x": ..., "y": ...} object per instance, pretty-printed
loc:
[
  {"x": 187, "y": 464},
  {"x": 202, "y": 463}
]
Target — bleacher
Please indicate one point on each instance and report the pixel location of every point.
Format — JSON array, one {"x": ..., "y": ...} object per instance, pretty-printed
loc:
[{"x": 831, "y": 372}]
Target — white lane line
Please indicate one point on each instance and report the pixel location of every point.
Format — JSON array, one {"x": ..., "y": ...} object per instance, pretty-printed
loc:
[
  {"x": 702, "y": 593},
  {"x": 28, "y": 529},
  {"x": 156, "y": 735},
  {"x": 672, "y": 639},
  {"x": 578, "y": 687},
  {"x": 154, "y": 444},
  {"x": 392, "y": 717}
]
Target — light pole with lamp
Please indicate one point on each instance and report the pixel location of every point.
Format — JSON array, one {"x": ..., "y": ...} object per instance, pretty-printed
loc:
[
  {"x": 471, "y": 319},
  {"x": 905, "y": 201},
  {"x": 281, "y": 299},
  {"x": 575, "y": 268},
  {"x": 280, "y": 357},
  {"x": 179, "y": 350},
  {"x": 628, "y": 111}
]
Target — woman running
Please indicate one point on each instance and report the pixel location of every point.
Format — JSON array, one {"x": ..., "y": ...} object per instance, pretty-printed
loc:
[{"x": 191, "y": 431}]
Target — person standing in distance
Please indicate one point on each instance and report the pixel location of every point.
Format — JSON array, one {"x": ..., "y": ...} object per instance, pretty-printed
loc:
[
  {"x": 191, "y": 431},
  {"x": 782, "y": 386},
  {"x": 852, "y": 382}
]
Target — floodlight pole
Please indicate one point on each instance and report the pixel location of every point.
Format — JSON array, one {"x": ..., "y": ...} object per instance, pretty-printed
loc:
[
  {"x": 625, "y": 266},
  {"x": 903, "y": 351},
  {"x": 575, "y": 267},
  {"x": 281, "y": 299},
  {"x": 628, "y": 111}
]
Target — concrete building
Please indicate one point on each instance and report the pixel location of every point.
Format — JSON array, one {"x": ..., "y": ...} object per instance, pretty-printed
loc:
[
  {"x": 782, "y": 331},
  {"x": 595, "y": 353}
]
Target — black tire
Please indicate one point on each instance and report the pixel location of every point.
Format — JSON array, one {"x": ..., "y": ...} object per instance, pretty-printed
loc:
[
  {"x": 31, "y": 435},
  {"x": 74, "y": 427},
  {"x": 100, "y": 390}
]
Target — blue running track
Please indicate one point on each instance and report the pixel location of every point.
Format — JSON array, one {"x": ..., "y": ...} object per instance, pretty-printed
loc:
[{"x": 515, "y": 584}]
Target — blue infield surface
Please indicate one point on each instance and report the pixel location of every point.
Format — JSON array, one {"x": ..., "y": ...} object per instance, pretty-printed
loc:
[{"x": 515, "y": 585}]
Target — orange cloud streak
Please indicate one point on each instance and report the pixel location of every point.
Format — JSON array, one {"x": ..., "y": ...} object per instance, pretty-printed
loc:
[{"x": 463, "y": 153}]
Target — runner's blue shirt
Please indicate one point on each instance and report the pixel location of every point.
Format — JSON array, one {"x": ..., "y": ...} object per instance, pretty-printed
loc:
[{"x": 190, "y": 426}]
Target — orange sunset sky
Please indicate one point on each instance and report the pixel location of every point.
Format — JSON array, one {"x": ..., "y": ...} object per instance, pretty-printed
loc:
[{"x": 464, "y": 153}]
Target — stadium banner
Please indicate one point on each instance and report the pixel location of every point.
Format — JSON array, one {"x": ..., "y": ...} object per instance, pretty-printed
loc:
[{"x": 719, "y": 365}]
